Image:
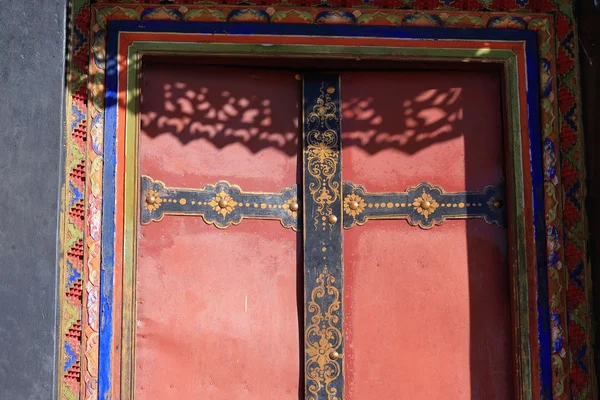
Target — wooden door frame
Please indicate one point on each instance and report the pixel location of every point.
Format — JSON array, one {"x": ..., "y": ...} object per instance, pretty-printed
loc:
[
  {"x": 97, "y": 340},
  {"x": 129, "y": 42}
]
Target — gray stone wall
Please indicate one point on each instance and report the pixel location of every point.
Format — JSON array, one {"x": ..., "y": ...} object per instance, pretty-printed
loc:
[{"x": 32, "y": 59}]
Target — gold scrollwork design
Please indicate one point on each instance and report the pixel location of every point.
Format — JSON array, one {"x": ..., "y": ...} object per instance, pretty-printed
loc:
[
  {"x": 323, "y": 338},
  {"x": 322, "y": 153}
]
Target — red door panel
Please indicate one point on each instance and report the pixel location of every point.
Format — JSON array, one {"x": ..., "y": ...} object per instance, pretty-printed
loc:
[
  {"x": 427, "y": 312},
  {"x": 217, "y": 310}
]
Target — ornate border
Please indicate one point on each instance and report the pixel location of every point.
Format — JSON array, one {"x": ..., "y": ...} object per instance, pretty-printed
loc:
[{"x": 83, "y": 180}]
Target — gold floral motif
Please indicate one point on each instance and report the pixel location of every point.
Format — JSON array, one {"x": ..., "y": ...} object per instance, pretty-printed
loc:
[
  {"x": 321, "y": 151},
  {"x": 323, "y": 336},
  {"x": 156, "y": 200},
  {"x": 322, "y": 154},
  {"x": 425, "y": 205},
  {"x": 218, "y": 200},
  {"x": 288, "y": 204},
  {"x": 350, "y": 201}
]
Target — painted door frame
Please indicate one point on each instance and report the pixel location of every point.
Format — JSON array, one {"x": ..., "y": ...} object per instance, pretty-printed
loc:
[
  {"x": 516, "y": 54},
  {"x": 95, "y": 323}
]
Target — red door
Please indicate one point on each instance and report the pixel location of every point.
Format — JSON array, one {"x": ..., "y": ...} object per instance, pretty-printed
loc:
[{"x": 274, "y": 263}]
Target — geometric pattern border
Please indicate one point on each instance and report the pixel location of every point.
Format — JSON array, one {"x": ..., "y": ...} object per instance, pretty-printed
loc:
[{"x": 564, "y": 186}]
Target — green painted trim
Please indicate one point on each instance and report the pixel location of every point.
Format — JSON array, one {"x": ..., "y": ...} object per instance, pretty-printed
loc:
[
  {"x": 130, "y": 223},
  {"x": 517, "y": 242},
  {"x": 338, "y": 51},
  {"x": 515, "y": 170}
]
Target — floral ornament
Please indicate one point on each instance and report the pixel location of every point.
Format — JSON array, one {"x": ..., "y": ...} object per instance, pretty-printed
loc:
[
  {"x": 425, "y": 205},
  {"x": 323, "y": 338},
  {"x": 354, "y": 205},
  {"x": 153, "y": 200},
  {"x": 222, "y": 203},
  {"x": 494, "y": 203},
  {"x": 319, "y": 352},
  {"x": 291, "y": 206},
  {"x": 322, "y": 151}
]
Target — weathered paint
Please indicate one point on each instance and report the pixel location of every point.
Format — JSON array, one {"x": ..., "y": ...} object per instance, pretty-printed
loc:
[
  {"x": 420, "y": 301},
  {"x": 212, "y": 305}
]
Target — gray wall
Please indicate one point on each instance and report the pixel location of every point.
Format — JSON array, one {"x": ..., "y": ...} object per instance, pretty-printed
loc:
[{"x": 32, "y": 43}]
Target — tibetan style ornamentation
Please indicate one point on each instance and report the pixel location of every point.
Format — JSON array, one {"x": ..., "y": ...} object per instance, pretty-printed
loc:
[
  {"x": 220, "y": 205},
  {"x": 423, "y": 205},
  {"x": 323, "y": 268}
]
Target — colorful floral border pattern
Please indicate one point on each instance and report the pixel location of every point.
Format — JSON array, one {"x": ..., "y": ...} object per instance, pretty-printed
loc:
[{"x": 561, "y": 112}]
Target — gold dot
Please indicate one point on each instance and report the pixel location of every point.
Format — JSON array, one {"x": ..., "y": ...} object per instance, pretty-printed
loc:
[
  {"x": 324, "y": 249},
  {"x": 382, "y": 205},
  {"x": 193, "y": 202},
  {"x": 294, "y": 206},
  {"x": 332, "y": 219},
  {"x": 479, "y": 204},
  {"x": 247, "y": 204},
  {"x": 353, "y": 205},
  {"x": 425, "y": 205},
  {"x": 298, "y": 77},
  {"x": 497, "y": 204},
  {"x": 397, "y": 204},
  {"x": 255, "y": 205},
  {"x": 150, "y": 200},
  {"x": 270, "y": 206},
  {"x": 390, "y": 205},
  {"x": 454, "y": 205},
  {"x": 370, "y": 205},
  {"x": 468, "y": 204},
  {"x": 263, "y": 205},
  {"x": 331, "y": 90},
  {"x": 376, "y": 205},
  {"x": 403, "y": 205},
  {"x": 461, "y": 205},
  {"x": 223, "y": 203}
]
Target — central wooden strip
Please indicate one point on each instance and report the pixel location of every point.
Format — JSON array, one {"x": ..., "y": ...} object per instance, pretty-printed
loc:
[{"x": 323, "y": 265}]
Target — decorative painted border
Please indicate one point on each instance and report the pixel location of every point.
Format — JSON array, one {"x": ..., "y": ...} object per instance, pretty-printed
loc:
[
  {"x": 423, "y": 205},
  {"x": 577, "y": 367}
]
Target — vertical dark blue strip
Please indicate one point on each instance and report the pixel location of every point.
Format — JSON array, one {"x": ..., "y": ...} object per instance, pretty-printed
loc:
[
  {"x": 537, "y": 180},
  {"x": 323, "y": 264},
  {"x": 105, "y": 340}
]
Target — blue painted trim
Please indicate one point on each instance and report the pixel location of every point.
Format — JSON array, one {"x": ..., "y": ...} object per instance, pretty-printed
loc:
[
  {"x": 539, "y": 222},
  {"x": 417, "y": 33},
  {"x": 105, "y": 339},
  {"x": 242, "y": 28}
]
